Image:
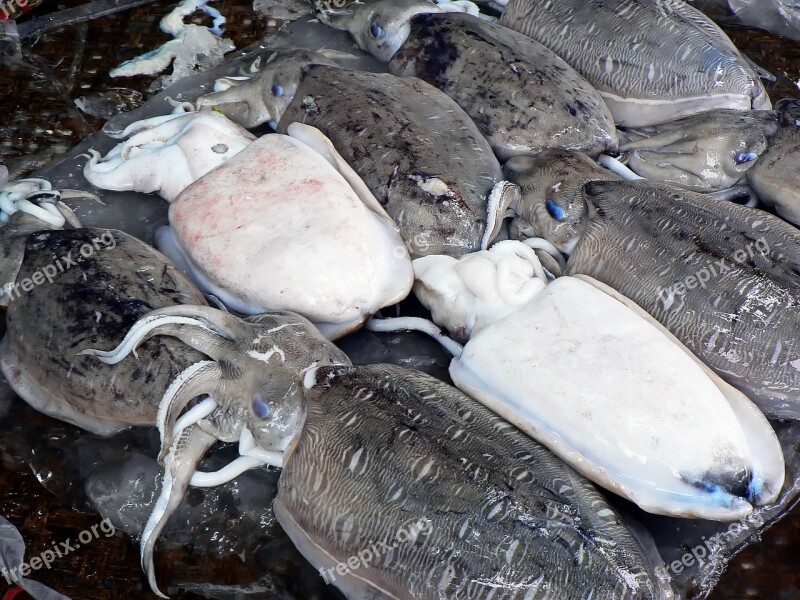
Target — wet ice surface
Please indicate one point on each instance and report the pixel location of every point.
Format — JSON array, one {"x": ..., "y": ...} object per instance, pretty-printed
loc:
[
  {"x": 109, "y": 102},
  {"x": 118, "y": 477}
]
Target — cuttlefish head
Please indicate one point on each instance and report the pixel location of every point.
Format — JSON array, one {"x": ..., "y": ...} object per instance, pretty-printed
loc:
[
  {"x": 250, "y": 390},
  {"x": 706, "y": 152},
  {"x": 379, "y": 28},
  {"x": 262, "y": 94},
  {"x": 551, "y": 204}
]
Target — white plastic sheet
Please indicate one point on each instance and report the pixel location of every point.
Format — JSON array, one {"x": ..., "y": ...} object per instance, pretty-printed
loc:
[{"x": 12, "y": 555}]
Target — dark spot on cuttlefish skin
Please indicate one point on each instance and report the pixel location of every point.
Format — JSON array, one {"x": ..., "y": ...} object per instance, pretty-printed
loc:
[{"x": 436, "y": 55}]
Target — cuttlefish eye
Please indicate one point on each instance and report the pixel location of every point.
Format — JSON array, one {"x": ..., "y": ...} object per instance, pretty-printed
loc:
[
  {"x": 259, "y": 407},
  {"x": 277, "y": 90},
  {"x": 745, "y": 157},
  {"x": 375, "y": 30},
  {"x": 555, "y": 210}
]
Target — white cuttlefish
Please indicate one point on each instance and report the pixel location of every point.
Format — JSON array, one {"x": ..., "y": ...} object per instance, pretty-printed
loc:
[
  {"x": 279, "y": 223},
  {"x": 596, "y": 379}
]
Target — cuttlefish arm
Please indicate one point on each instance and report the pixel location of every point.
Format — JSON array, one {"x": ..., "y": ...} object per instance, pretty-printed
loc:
[
  {"x": 188, "y": 449},
  {"x": 36, "y": 197}
]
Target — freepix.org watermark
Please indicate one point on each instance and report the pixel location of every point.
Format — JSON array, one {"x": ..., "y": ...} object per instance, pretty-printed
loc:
[
  {"x": 59, "y": 550},
  {"x": 699, "y": 553},
  {"x": 670, "y": 295},
  {"x": 366, "y": 556},
  {"x": 11, "y": 291}
]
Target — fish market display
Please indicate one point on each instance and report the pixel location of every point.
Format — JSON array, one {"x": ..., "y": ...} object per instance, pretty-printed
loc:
[
  {"x": 598, "y": 370},
  {"x": 619, "y": 47},
  {"x": 523, "y": 97}
]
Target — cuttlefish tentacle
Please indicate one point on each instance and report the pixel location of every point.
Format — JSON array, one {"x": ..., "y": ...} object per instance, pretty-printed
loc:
[
  {"x": 167, "y": 321},
  {"x": 197, "y": 413},
  {"x": 548, "y": 248},
  {"x": 251, "y": 456},
  {"x": 36, "y": 197},
  {"x": 187, "y": 450},
  {"x": 199, "y": 379},
  {"x": 395, "y": 324},
  {"x": 617, "y": 167}
]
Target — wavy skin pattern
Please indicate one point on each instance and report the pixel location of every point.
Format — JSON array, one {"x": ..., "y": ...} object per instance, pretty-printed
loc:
[{"x": 384, "y": 447}]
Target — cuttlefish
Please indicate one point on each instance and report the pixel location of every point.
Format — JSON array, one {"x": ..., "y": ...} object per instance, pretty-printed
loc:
[
  {"x": 244, "y": 385},
  {"x": 279, "y": 223},
  {"x": 453, "y": 501},
  {"x": 593, "y": 377},
  {"x": 165, "y": 154},
  {"x": 288, "y": 225},
  {"x": 418, "y": 152},
  {"x": 521, "y": 95},
  {"x": 652, "y": 61},
  {"x": 390, "y": 460},
  {"x": 67, "y": 289},
  {"x": 723, "y": 278}
]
